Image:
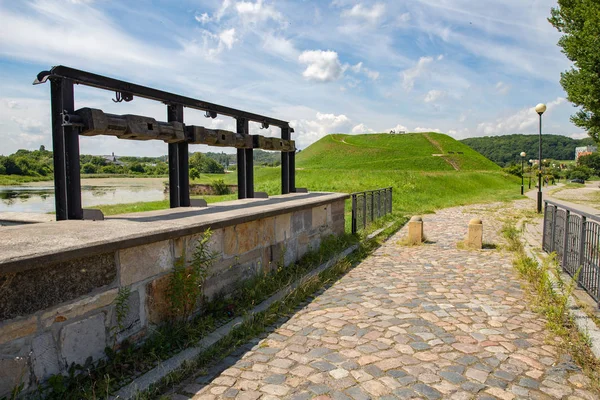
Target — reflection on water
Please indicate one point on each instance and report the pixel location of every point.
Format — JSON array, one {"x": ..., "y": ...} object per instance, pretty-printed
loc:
[{"x": 40, "y": 199}]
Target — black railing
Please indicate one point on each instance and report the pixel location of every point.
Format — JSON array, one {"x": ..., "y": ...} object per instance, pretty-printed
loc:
[
  {"x": 575, "y": 237},
  {"x": 370, "y": 205}
]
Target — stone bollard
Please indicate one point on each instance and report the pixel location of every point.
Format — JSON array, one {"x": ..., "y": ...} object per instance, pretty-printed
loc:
[
  {"x": 415, "y": 230},
  {"x": 475, "y": 234}
]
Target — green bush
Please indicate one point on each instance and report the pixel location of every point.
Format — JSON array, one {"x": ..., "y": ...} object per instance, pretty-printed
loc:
[
  {"x": 580, "y": 172},
  {"x": 220, "y": 188},
  {"x": 194, "y": 174},
  {"x": 89, "y": 168}
]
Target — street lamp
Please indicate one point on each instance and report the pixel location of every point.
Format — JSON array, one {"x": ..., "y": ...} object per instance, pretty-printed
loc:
[
  {"x": 540, "y": 109},
  {"x": 530, "y": 170},
  {"x": 522, "y": 169}
]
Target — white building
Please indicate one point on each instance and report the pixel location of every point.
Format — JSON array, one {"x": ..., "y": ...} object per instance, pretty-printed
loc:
[{"x": 584, "y": 151}]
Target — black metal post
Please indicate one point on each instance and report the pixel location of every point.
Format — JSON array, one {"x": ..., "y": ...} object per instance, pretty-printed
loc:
[
  {"x": 174, "y": 175},
  {"x": 241, "y": 128},
  {"x": 292, "y": 168},
  {"x": 249, "y": 173},
  {"x": 530, "y": 176},
  {"x": 57, "y": 89},
  {"x": 175, "y": 114},
  {"x": 522, "y": 176},
  {"x": 354, "y": 214},
  {"x": 565, "y": 248},
  {"x": 539, "y": 195},
  {"x": 582, "y": 237},
  {"x": 364, "y": 209},
  {"x": 74, "y": 209},
  {"x": 285, "y": 164},
  {"x": 544, "y": 226}
]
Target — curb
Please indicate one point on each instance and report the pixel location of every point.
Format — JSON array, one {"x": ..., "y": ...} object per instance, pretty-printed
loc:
[{"x": 145, "y": 381}]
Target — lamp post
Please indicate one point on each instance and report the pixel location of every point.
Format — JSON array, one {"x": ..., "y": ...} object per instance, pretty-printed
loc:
[
  {"x": 530, "y": 168},
  {"x": 540, "y": 109},
  {"x": 522, "y": 171}
]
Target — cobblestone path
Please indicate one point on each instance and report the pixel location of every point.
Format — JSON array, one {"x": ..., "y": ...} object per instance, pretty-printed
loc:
[{"x": 429, "y": 322}]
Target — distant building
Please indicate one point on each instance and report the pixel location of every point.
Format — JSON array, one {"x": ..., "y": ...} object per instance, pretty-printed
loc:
[
  {"x": 584, "y": 151},
  {"x": 112, "y": 159}
]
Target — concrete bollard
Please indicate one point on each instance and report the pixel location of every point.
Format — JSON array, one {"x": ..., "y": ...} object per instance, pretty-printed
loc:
[
  {"x": 475, "y": 234},
  {"x": 415, "y": 230}
]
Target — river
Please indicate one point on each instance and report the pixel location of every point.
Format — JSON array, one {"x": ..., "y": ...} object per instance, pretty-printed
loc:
[{"x": 38, "y": 197}]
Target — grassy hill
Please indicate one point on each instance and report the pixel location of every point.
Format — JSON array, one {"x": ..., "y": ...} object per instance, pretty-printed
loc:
[
  {"x": 427, "y": 171},
  {"x": 406, "y": 152},
  {"x": 505, "y": 150}
]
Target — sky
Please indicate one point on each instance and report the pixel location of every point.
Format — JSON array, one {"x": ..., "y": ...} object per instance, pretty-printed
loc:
[{"x": 462, "y": 67}]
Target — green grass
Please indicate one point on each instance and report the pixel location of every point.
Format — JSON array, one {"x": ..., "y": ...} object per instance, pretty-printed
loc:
[
  {"x": 11, "y": 180},
  {"x": 353, "y": 163},
  {"x": 114, "y": 209},
  {"x": 407, "y": 152}
]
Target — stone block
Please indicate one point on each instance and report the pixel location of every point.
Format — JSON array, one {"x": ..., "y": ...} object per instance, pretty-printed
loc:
[
  {"x": 142, "y": 262},
  {"x": 339, "y": 227},
  {"x": 13, "y": 372},
  {"x": 319, "y": 216},
  {"x": 17, "y": 328},
  {"x": 132, "y": 321},
  {"x": 267, "y": 232},
  {"x": 291, "y": 252},
  {"x": 215, "y": 244},
  {"x": 283, "y": 227},
  {"x": 474, "y": 238},
  {"x": 247, "y": 236},
  {"x": 158, "y": 307},
  {"x": 415, "y": 230},
  {"x": 230, "y": 241},
  {"x": 26, "y": 292},
  {"x": 44, "y": 356},
  {"x": 83, "y": 339},
  {"x": 78, "y": 308},
  {"x": 227, "y": 280},
  {"x": 301, "y": 220}
]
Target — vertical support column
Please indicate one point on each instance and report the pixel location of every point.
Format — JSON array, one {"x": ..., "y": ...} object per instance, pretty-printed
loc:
[
  {"x": 544, "y": 226},
  {"x": 292, "y": 171},
  {"x": 582, "y": 237},
  {"x": 553, "y": 227},
  {"x": 249, "y": 173},
  {"x": 364, "y": 205},
  {"x": 354, "y": 214},
  {"x": 241, "y": 128},
  {"x": 174, "y": 113},
  {"x": 285, "y": 164},
  {"x": 57, "y": 89},
  {"x": 565, "y": 255}
]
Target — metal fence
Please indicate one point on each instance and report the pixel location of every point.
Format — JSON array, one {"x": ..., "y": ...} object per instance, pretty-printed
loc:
[
  {"x": 575, "y": 237},
  {"x": 370, "y": 205}
]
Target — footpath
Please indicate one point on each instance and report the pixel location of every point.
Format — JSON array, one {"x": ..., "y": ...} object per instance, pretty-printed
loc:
[{"x": 428, "y": 322}]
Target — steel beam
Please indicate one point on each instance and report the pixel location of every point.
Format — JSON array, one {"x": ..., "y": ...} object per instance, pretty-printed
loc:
[
  {"x": 175, "y": 114},
  {"x": 249, "y": 173},
  {"x": 103, "y": 82},
  {"x": 174, "y": 175},
  {"x": 57, "y": 99},
  {"x": 285, "y": 164},
  {"x": 241, "y": 128}
]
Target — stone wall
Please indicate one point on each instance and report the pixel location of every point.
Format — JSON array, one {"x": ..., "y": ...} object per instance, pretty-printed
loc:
[{"x": 60, "y": 313}]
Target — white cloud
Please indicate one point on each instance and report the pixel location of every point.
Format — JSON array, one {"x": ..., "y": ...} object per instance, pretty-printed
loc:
[
  {"x": 358, "y": 68},
  {"x": 257, "y": 12},
  {"x": 419, "y": 129},
  {"x": 398, "y": 128},
  {"x": 502, "y": 87},
  {"x": 221, "y": 11},
  {"x": 280, "y": 46},
  {"x": 227, "y": 37},
  {"x": 323, "y": 66},
  {"x": 203, "y": 18},
  {"x": 411, "y": 74},
  {"x": 521, "y": 122},
  {"x": 309, "y": 131},
  {"x": 362, "y": 128},
  {"x": 434, "y": 95},
  {"x": 404, "y": 17},
  {"x": 371, "y": 15}
]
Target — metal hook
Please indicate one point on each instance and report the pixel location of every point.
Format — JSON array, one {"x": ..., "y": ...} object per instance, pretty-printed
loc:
[
  {"x": 118, "y": 97},
  {"x": 122, "y": 96},
  {"x": 264, "y": 125},
  {"x": 210, "y": 114}
]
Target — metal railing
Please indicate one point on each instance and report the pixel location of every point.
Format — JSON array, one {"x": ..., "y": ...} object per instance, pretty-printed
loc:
[
  {"x": 575, "y": 237},
  {"x": 370, "y": 205}
]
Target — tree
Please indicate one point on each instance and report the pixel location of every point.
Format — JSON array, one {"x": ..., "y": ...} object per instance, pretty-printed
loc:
[
  {"x": 579, "y": 20},
  {"x": 194, "y": 174},
  {"x": 591, "y": 161},
  {"x": 89, "y": 168}
]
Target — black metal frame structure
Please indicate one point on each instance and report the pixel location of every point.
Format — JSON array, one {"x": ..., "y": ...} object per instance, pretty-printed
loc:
[
  {"x": 575, "y": 237},
  {"x": 65, "y": 138},
  {"x": 369, "y": 206}
]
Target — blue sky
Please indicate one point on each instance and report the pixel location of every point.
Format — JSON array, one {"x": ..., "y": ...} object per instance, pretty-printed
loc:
[{"x": 462, "y": 67}]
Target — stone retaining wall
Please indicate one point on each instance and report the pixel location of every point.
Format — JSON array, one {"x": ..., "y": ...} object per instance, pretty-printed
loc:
[{"x": 61, "y": 313}]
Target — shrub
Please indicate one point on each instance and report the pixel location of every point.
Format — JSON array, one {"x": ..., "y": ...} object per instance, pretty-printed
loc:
[
  {"x": 220, "y": 187},
  {"x": 194, "y": 173}
]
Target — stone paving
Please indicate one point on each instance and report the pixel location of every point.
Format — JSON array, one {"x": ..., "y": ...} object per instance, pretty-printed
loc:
[{"x": 428, "y": 322}]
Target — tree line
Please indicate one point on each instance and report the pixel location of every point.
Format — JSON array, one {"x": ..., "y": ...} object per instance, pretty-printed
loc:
[{"x": 505, "y": 150}]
